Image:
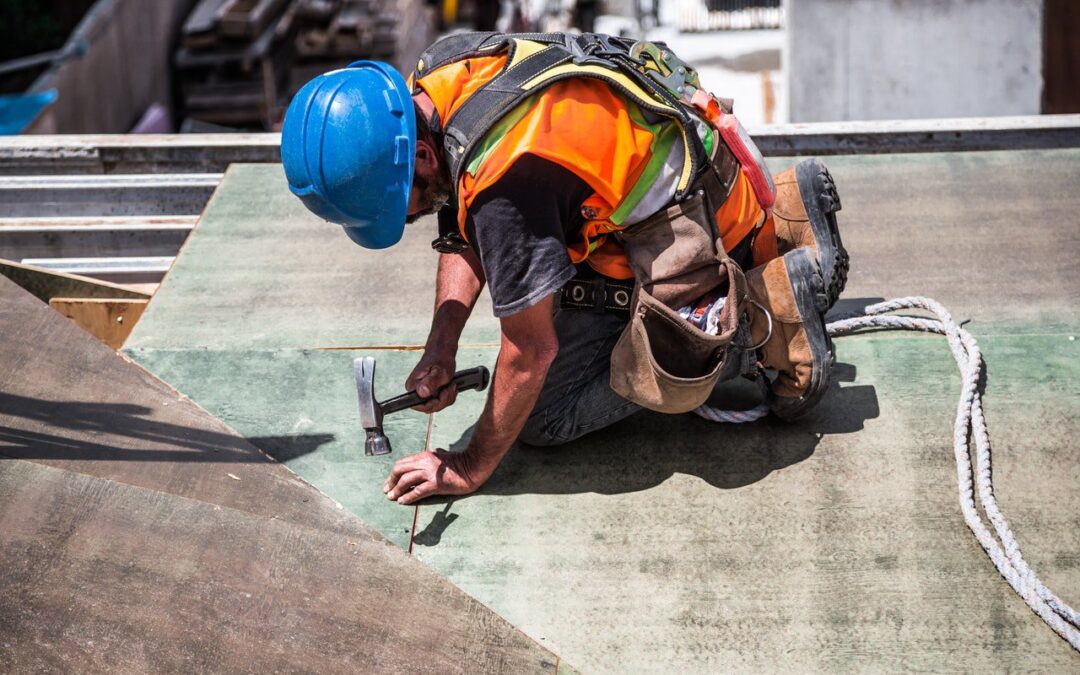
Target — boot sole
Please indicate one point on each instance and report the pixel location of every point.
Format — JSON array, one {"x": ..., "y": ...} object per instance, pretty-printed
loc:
[
  {"x": 812, "y": 301},
  {"x": 822, "y": 201}
]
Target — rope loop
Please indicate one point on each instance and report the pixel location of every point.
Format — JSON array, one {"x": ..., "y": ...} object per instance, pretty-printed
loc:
[{"x": 974, "y": 479}]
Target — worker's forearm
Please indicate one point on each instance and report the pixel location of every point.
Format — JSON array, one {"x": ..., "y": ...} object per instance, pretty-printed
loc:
[
  {"x": 519, "y": 377},
  {"x": 458, "y": 285}
]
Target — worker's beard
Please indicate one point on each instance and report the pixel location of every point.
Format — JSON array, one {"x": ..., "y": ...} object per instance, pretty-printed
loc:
[{"x": 434, "y": 193}]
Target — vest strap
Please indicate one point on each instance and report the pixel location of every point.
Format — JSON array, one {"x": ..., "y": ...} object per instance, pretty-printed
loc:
[
  {"x": 551, "y": 58},
  {"x": 467, "y": 127}
]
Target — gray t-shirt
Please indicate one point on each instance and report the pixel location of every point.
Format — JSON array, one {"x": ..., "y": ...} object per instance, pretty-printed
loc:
[{"x": 519, "y": 227}]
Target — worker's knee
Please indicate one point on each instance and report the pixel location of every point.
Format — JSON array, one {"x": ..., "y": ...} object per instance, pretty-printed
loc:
[{"x": 544, "y": 430}]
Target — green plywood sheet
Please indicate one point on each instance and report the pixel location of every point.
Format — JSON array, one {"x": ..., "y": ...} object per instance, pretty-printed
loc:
[
  {"x": 834, "y": 544},
  {"x": 831, "y": 545},
  {"x": 984, "y": 233},
  {"x": 262, "y": 272},
  {"x": 281, "y": 400}
]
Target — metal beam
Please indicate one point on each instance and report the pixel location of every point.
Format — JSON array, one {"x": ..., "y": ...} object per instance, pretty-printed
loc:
[
  {"x": 901, "y": 136},
  {"x": 117, "y": 270},
  {"x": 127, "y": 195},
  {"x": 93, "y": 237},
  {"x": 134, "y": 153},
  {"x": 204, "y": 153}
]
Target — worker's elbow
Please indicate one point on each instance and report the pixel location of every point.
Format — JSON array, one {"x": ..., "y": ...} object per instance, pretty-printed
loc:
[
  {"x": 534, "y": 356},
  {"x": 541, "y": 354},
  {"x": 545, "y": 353}
]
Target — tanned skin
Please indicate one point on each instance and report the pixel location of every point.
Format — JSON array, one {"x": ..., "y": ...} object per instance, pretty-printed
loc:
[{"x": 527, "y": 347}]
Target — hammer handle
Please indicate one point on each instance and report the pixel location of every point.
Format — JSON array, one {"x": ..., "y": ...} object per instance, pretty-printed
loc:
[{"x": 474, "y": 378}]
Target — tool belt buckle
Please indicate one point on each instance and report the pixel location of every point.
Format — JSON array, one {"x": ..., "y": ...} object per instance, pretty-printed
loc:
[{"x": 596, "y": 294}]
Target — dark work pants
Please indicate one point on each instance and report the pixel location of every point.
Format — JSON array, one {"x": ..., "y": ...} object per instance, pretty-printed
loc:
[{"x": 577, "y": 397}]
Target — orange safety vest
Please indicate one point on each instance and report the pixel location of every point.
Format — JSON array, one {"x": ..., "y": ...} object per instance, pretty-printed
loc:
[{"x": 585, "y": 126}]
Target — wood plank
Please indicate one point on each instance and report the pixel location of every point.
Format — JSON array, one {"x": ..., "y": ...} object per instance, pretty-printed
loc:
[
  {"x": 138, "y": 533},
  {"x": 48, "y": 284},
  {"x": 105, "y": 577},
  {"x": 109, "y": 320},
  {"x": 69, "y": 401}
]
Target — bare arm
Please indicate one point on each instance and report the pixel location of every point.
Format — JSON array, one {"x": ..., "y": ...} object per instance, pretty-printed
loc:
[
  {"x": 457, "y": 286},
  {"x": 528, "y": 347}
]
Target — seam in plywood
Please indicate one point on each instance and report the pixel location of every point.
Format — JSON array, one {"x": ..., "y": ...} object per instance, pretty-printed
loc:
[
  {"x": 416, "y": 513},
  {"x": 404, "y": 348}
]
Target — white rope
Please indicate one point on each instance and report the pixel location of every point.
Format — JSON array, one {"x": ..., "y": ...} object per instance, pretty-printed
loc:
[
  {"x": 736, "y": 416},
  {"x": 970, "y": 423}
]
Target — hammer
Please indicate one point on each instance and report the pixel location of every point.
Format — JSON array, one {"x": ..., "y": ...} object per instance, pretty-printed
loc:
[{"x": 372, "y": 412}]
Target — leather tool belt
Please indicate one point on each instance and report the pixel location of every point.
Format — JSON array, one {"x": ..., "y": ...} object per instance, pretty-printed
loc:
[{"x": 661, "y": 361}]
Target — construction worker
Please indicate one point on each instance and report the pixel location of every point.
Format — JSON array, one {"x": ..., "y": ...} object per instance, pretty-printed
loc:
[{"x": 560, "y": 176}]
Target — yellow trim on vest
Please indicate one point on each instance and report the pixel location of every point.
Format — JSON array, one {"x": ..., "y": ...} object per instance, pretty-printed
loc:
[
  {"x": 523, "y": 49},
  {"x": 630, "y": 88}
]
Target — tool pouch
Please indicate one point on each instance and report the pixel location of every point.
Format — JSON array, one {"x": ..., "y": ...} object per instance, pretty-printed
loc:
[
  {"x": 664, "y": 363},
  {"x": 661, "y": 361}
]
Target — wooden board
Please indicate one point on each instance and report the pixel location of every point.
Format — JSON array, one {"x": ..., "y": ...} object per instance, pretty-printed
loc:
[
  {"x": 105, "y": 577},
  {"x": 47, "y": 284},
  {"x": 107, "y": 319},
  {"x": 138, "y": 533}
]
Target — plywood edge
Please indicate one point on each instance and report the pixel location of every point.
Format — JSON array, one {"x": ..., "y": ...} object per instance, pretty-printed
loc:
[
  {"x": 48, "y": 284},
  {"x": 108, "y": 319}
]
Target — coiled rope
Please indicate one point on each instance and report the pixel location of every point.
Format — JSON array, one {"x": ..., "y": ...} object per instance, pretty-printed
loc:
[{"x": 972, "y": 479}]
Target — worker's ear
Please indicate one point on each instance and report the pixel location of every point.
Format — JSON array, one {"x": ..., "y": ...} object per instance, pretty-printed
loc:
[{"x": 426, "y": 157}]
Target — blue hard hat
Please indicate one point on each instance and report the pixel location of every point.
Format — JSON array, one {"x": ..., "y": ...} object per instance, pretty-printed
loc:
[{"x": 348, "y": 146}]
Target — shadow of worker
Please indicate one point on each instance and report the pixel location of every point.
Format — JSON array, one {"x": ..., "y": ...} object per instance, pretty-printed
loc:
[{"x": 646, "y": 449}]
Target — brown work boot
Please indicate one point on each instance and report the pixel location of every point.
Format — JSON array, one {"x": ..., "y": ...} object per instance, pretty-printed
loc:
[
  {"x": 787, "y": 319},
  {"x": 804, "y": 215}
]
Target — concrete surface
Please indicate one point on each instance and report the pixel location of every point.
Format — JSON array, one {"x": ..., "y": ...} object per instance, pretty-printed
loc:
[
  {"x": 872, "y": 60},
  {"x": 140, "y": 534},
  {"x": 832, "y": 545}
]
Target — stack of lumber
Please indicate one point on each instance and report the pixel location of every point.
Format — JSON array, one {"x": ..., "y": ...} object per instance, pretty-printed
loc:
[{"x": 240, "y": 61}]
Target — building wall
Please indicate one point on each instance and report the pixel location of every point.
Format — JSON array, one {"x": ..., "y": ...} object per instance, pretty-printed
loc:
[
  {"x": 126, "y": 68},
  {"x": 904, "y": 59}
]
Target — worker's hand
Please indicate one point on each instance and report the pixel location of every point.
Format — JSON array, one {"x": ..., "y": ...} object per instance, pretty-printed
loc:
[
  {"x": 435, "y": 370},
  {"x": 435, "y": 472}
]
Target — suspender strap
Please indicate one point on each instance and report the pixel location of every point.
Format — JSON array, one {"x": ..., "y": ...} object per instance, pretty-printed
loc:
[
  {"x": 538, "y": 60},
  {"x": 483, "y": 109},
  {"x": 461, "y": 46},
  {"x": 455, "y": 48}
]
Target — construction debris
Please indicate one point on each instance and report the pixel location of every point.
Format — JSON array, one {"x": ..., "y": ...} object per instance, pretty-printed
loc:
[{"x": 241, "y": 60}]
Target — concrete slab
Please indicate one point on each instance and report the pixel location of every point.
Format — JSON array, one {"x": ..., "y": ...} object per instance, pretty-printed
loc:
[{"x": 836, "y": 544}]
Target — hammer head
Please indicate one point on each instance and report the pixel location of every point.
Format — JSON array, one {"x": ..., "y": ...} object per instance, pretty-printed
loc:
[{"x": 371, "y": 413}]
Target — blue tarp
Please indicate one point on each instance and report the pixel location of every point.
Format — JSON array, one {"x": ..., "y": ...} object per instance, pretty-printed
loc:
[{"x": 19, "y": 110}]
